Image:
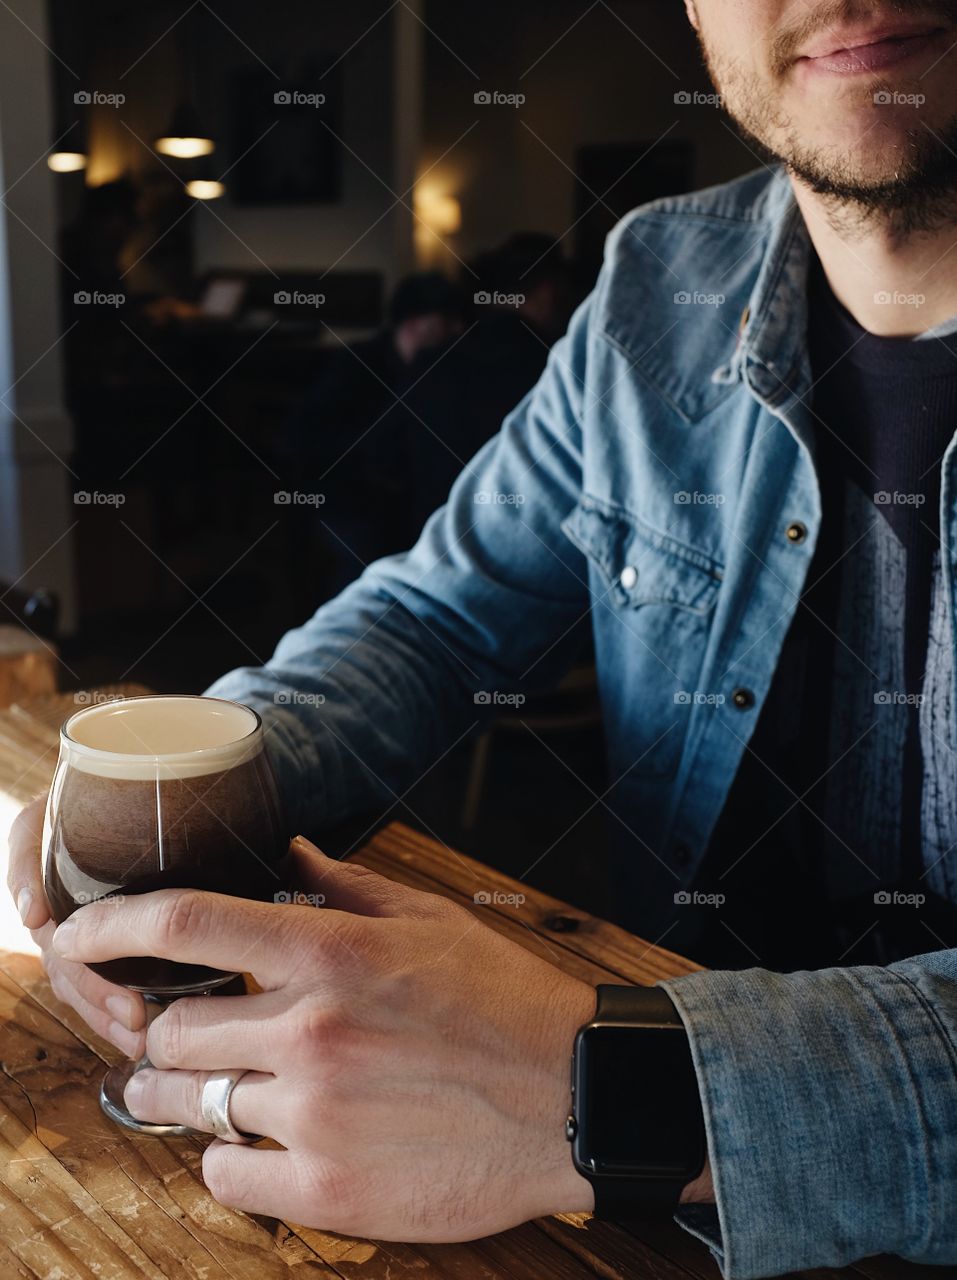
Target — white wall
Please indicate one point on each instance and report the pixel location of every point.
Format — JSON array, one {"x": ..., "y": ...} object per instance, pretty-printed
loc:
[{"x": 360, "y": 229}]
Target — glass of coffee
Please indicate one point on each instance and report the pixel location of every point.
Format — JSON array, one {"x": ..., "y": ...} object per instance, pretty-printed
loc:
[{"x": 164, "y": 792}]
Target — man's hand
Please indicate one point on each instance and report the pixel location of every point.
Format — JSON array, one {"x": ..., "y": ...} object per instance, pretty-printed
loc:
[
  {"x": 113, "y": 1012},
  {"x": 413, "y": 1062}
]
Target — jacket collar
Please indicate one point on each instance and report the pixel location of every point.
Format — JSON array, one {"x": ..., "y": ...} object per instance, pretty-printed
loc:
[
  {"x": 739, "y": 252},
  {"x": 771, "y": 349}
]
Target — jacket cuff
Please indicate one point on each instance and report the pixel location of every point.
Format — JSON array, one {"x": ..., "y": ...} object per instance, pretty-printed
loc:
[{"x": 825, "y": 1098}]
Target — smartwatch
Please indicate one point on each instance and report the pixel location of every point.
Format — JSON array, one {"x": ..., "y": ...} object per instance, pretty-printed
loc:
[{"x": 636, "y": 1127}]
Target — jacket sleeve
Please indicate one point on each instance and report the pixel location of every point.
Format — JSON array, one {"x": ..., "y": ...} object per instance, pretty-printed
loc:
[
  {"x": 382, "y": 680},
  {"x": 830, "y": 1102}
]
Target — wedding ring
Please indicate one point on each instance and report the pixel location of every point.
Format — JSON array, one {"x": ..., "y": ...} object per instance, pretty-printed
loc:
[{"x": 214, "y": 1105}]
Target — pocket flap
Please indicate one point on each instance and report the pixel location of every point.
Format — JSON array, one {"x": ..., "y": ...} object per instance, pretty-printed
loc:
[{"x": 641, "y": 565}]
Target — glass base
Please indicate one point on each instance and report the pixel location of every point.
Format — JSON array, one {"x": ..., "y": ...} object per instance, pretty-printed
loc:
[
  {"x": 111, "y": 1100},
  {"x": 117, "y": 1078}
]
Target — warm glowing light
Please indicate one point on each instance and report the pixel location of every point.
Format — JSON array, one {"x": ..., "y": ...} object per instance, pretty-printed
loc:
[
  {"x": 201, "y": 189},
  {"x": 447, "y": 215},
  {"x": 184, "y": 148},
  {"x": 66, "y": 161},
  {"x": 440, "y": 212}
]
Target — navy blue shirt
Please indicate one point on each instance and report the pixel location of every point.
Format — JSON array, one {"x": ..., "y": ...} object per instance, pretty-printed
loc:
[{"x": 847, "y": 789}]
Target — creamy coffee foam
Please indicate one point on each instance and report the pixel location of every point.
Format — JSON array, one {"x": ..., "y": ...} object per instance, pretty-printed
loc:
[{"x": 162, "y": 737}]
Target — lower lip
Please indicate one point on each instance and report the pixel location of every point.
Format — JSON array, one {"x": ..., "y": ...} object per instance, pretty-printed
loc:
[{"x": 873, "y": 57}]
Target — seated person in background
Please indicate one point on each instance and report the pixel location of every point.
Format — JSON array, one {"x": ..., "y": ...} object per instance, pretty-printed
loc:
[
  {"x": 523, "y": 295},
  {"x": 349, "y": 437}
]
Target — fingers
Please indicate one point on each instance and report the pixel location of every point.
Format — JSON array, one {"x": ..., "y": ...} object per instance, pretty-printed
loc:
[
  {"x": 112, "y": 1012},
  {"x": 24, "y": 878},
  {"x": 193, "y": 927},
  {"x": 216, "y": 1033},
  {"x": 109, "y": 1016},
  {"x": 249, "y": 1178},
  {"x": 348, "y": 886},
  {"x": 175, "y": 1097}
]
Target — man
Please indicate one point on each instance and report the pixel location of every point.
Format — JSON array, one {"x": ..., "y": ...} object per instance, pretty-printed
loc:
[
  {"x": 415, "y": 1064},
  {"x": 528, "y": 277},
  {"x": 523, "y": 302}
]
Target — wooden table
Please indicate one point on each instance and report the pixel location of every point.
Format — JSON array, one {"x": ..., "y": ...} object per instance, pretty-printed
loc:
[{"x": 82, "y": 1198}]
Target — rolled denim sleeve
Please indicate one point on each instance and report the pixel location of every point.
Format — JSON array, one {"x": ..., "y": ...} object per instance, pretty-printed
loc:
[
  {"x": 830, "y": 1102},
  {"x": 376, "y": 686}
]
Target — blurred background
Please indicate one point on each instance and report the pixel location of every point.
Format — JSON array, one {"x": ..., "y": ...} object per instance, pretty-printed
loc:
[{"x": 269, "y": 275}]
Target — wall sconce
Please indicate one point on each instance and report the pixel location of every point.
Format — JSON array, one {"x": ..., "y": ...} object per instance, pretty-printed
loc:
[{"x": 440, "y": 212}]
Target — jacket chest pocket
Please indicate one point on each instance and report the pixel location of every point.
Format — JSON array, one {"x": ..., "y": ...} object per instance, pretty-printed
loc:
[{"x": 652, "y": 601}]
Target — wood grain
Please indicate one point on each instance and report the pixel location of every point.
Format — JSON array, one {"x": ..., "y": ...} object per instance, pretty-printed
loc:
[
  {"x": 81, "y": 1198},
  {"x": 28, "y": 665}
]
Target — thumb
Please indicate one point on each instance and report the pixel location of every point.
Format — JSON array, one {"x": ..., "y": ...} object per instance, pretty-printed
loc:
[{"x": 347, "y": 886}]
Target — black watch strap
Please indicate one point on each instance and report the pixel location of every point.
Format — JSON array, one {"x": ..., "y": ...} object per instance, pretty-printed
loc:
[
  {"x": 644, "y": 1005},
  {"x": 621, "y": 1199}
]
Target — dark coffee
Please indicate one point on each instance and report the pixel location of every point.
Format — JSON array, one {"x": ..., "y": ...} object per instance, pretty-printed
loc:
[{"x": 116, "y": 835}]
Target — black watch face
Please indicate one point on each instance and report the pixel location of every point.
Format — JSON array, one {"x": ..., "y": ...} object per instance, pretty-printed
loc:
[{"x": 636, "y": 1102}]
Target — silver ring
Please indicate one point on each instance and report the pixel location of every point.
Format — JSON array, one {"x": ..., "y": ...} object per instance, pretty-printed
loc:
[{"x": 214, "y": 1104}]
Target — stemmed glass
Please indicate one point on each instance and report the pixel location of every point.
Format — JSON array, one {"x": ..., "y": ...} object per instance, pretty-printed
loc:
[{"x": 152, "y": 793}]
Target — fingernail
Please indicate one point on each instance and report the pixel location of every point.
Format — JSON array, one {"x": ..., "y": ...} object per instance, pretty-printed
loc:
[
  {"x": 133, "y": 1093},
  {"x": 305, "y": 846},
  {"x": 64, "y": 937},
  {"x": 129, "y": 1042},
  {"x": 24, "y": 903},
  {"x": 123, "y": 1010}
]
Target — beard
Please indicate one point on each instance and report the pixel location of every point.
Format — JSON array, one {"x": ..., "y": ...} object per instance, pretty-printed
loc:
[{"x": 906, "y": 184}]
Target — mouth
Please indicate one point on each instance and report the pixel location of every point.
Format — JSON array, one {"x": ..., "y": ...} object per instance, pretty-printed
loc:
[{"x": 852, "y": 51}]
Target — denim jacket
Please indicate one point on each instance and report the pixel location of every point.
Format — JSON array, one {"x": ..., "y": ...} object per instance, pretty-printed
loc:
[{"x": 649, "y": 486}]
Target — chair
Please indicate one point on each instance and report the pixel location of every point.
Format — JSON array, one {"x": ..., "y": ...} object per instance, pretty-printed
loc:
[{"x": 572, "y": 707}]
